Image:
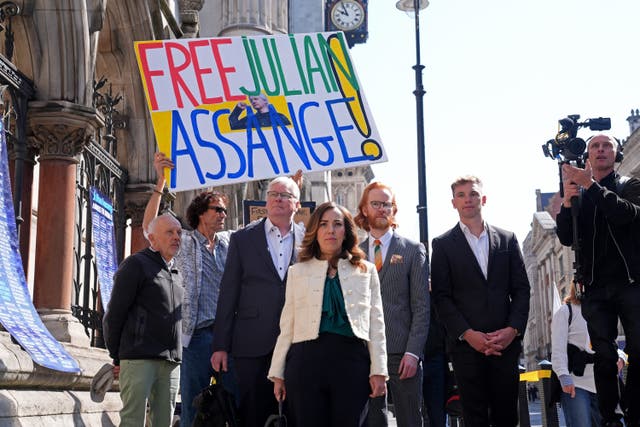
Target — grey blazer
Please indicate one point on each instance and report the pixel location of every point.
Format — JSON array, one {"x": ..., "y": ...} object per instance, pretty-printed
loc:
[{"x": 404, "y": 285}]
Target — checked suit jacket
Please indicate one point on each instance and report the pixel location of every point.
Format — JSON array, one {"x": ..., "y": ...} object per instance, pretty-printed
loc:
[
  {"x": 251, "y": 294},
  {"x": 404, "y": 286},
  {"x": 465, "y": 299}
]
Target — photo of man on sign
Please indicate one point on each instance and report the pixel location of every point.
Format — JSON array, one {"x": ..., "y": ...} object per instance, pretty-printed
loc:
[{"x": 262, "y": 115}]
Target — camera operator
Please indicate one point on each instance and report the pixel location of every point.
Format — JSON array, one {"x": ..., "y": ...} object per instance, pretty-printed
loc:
[{"x": 608, "y": 223}]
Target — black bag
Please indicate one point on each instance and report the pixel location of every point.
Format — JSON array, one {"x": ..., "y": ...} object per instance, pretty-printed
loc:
[
  {"x": 577, "y": 359},
  {"x": 216, "y": 407},
  {"x": 277, "y": 420}
]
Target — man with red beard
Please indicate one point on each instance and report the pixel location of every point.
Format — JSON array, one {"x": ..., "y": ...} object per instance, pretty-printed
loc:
[{"x": 404, "y": 271}]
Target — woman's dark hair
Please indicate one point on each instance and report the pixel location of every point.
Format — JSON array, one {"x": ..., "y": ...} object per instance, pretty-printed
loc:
[
  {"x": 200, "y": 204},
  {"x": 310, "y": 247}
]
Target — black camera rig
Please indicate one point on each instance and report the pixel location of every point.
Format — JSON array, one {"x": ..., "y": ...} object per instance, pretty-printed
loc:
[{"x": 566, "y": 146}]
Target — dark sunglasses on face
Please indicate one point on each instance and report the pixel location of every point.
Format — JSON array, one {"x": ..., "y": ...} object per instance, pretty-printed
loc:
[{"x": 218, "y": 209}]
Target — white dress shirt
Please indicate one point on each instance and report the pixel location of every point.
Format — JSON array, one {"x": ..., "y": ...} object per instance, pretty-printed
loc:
[
  {"x": 479, "y": 246},
  {"x": 280, "y": 247}
]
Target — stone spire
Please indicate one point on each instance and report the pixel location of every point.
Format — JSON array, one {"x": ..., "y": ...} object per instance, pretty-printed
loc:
[{"x": 634, "y": 121}]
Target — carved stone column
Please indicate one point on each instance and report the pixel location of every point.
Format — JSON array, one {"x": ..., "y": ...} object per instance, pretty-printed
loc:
[
  {"x": 189, "y": 17},
  {"x": 136, "y": 198},
  {"x": 58, "y": 131},
  {"x": 241, "y": 17}
]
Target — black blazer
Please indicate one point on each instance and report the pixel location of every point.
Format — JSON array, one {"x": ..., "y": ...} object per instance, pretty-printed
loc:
[
  {"x": 251, "y": 295},
  {"x": 465, "y": 299}
]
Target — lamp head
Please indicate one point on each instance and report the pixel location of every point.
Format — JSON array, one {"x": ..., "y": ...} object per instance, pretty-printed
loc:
[{"x": 408, "y": 5}]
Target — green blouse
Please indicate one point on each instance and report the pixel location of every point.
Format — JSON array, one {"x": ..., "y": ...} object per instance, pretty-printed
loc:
[{"x": 334, "y": 315}]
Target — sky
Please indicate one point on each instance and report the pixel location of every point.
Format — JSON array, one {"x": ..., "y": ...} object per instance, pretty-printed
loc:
[{"x": 498, "y": 76}]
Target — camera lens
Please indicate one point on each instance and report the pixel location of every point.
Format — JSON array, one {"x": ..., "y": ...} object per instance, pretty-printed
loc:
[{"x": 574, "y": 148}]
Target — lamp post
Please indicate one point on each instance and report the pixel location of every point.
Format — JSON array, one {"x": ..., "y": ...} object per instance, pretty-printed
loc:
[{"x": 415, "y": 6}]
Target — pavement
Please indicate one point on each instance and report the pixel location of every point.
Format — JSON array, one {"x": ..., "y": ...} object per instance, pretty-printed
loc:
[{"x": 535, "y": 416}]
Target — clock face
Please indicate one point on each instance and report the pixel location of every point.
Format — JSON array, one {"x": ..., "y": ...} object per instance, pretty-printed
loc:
[{"x": 347, "y": 15}]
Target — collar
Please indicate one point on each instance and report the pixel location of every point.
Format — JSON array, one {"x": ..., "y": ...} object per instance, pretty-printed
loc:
[
  {"x": 269, "y": 227},
  {"x": 612, "y": 177},
  {"x": 467, "y": 231},
  {"x": 169, "y": 263},
  {"x": 202, "y": 239},
  {"x": 384, "y": 239}
]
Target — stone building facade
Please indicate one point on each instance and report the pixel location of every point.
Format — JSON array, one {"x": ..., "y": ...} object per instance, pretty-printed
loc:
[{"x": 74, "y": 105}]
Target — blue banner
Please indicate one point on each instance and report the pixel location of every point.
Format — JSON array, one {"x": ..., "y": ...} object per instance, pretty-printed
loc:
[
  {"x": 17, "y": 313},
  {"x": 103, "y": 242}
]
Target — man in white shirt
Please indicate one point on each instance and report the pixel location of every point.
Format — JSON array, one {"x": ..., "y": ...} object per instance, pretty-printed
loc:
[
  {"x": 481, "y": 292},
  {"x": 251, "y": 299}
]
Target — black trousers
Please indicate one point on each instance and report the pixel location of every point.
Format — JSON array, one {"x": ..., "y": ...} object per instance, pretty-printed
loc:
[
  {"x": 257, "y": 401},
  {"x": 488, "y": 386},
  {"x": 327, "y": 382},
  {"x": 602, "y": 307}
]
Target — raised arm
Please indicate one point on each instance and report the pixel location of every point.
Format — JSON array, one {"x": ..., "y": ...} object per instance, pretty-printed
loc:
[{"x": 160, "y": 162}]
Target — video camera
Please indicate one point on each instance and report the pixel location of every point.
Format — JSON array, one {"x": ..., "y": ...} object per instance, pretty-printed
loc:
[{"x": 566, "y": 146}]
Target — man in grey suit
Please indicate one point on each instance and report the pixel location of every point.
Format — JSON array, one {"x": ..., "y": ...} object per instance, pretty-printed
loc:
[
  {"x": 403, "y": 269},
  {"x": 252, "y": 296},
  {"x": 481, "y": 293}
]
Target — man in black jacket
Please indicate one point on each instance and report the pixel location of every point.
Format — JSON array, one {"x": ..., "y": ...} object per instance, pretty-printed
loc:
[
  {"x": 142, "y": 327},
  {"x": 251, "y": 300},
  {"x": 481, "y": 292},
  {"x": 609, "y": 236}
]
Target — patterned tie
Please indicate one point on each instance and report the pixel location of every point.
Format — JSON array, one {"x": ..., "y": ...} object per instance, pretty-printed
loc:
[{"x": 377, "y": 254}]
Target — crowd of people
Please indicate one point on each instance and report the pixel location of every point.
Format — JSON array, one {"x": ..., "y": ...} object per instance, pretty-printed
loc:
[{"x": 330, "y": 330}]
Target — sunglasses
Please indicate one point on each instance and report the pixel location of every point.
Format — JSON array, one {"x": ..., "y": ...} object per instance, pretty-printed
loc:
[{"x": 218, "y": 209}]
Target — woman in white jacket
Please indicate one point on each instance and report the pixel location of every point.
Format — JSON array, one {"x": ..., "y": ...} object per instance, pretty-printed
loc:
[
  {"x": 330, "y": 356},
  {"x": 578, "y": 401}
]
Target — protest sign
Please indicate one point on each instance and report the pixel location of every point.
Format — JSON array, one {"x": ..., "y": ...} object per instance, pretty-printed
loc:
[{"x": 235, "y": 109}]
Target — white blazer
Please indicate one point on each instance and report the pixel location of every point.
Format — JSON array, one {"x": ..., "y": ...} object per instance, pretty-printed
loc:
[{"x": 300, "y": 319}]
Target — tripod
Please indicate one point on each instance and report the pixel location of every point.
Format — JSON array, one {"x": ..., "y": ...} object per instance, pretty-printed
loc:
[{"x": 576, "y": 244}]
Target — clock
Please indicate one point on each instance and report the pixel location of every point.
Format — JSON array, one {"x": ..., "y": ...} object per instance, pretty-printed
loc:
[{"x": 347, "y": 15}]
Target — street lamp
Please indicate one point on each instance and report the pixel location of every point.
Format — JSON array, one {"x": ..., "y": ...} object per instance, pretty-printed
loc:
[{"x": 415, "y": 6}]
